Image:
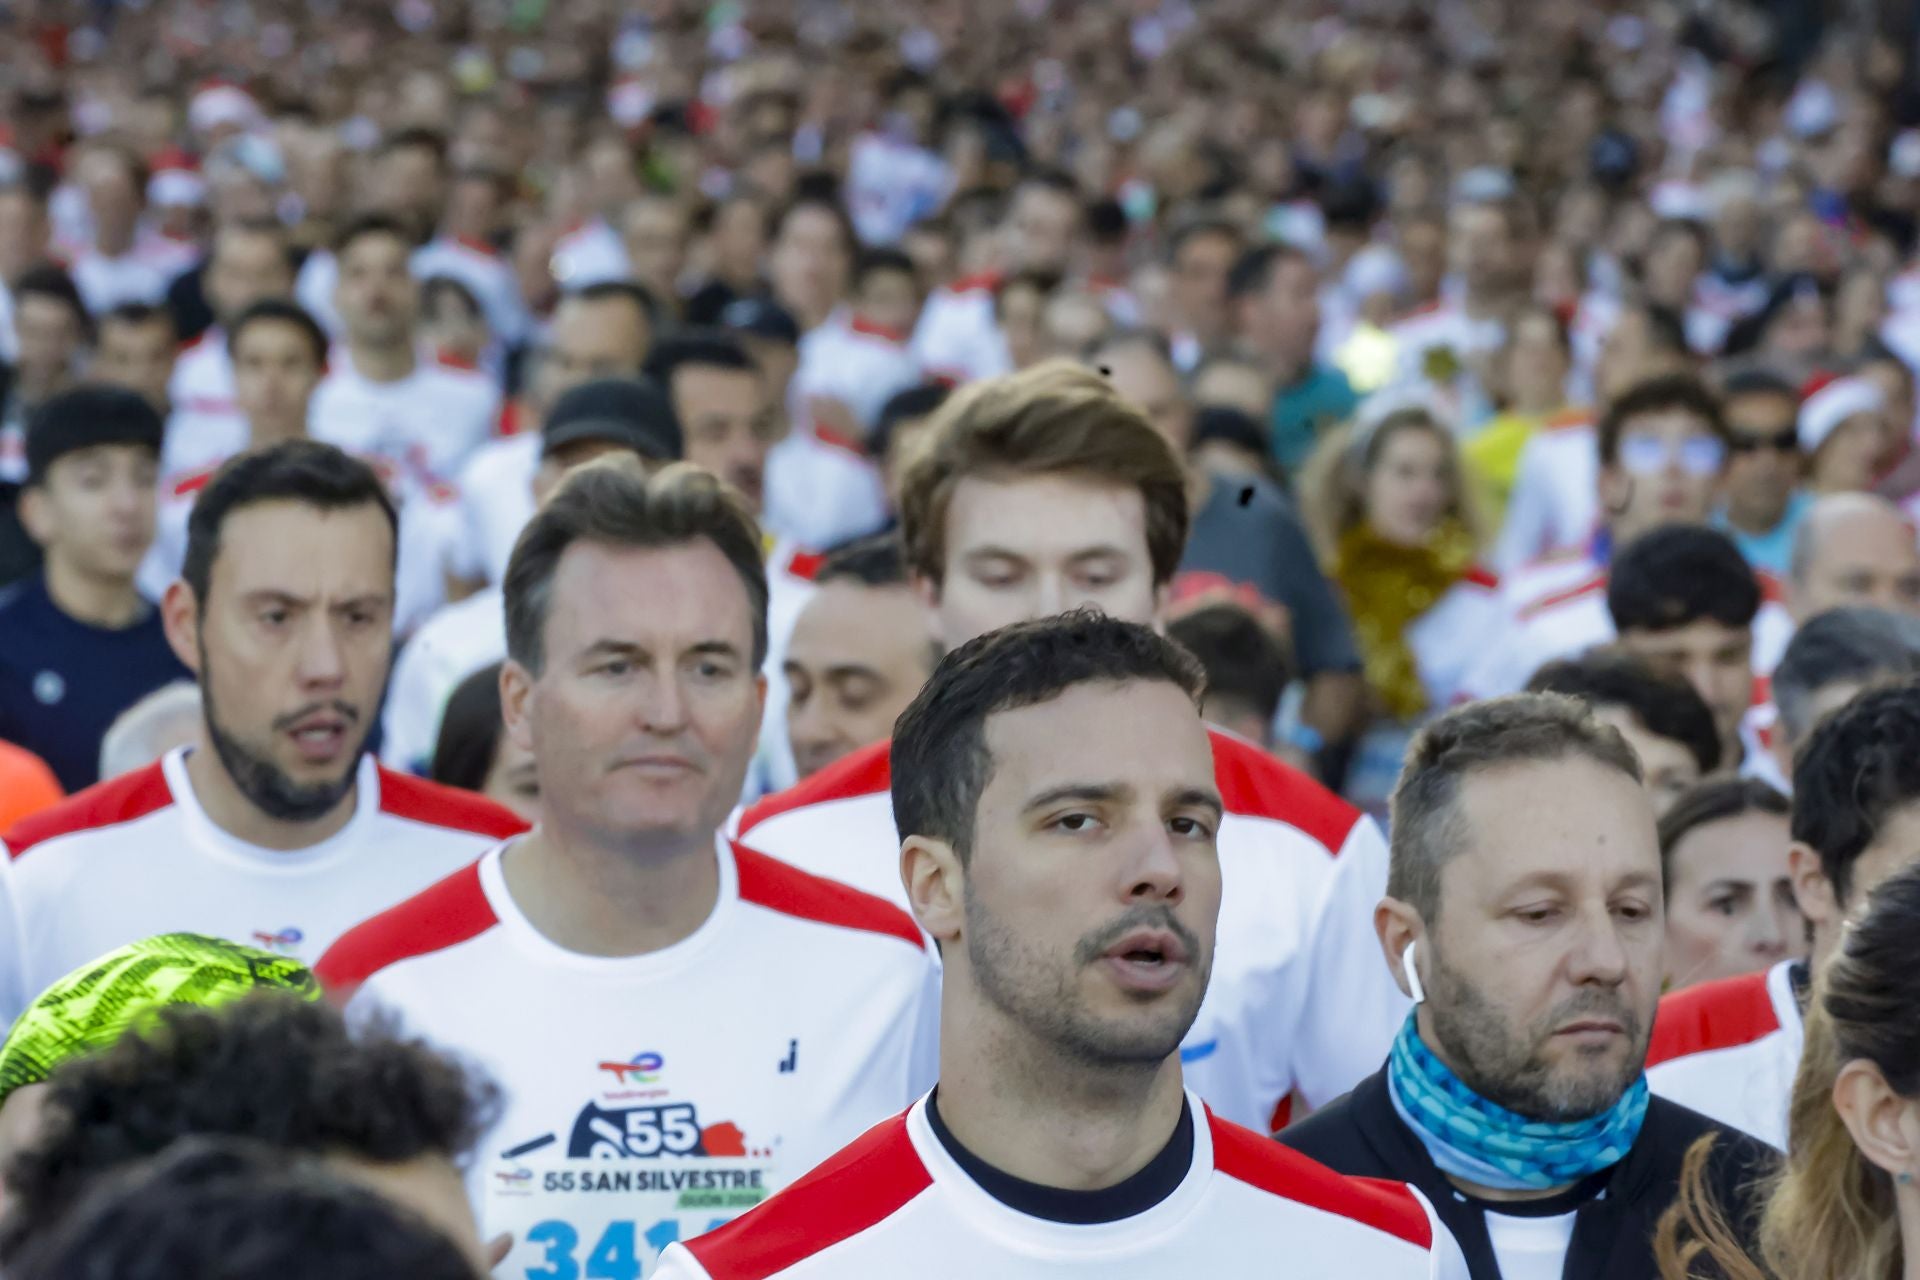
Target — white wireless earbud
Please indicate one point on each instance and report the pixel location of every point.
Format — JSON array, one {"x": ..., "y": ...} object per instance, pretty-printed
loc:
[{"x": 1413, "y": 976}]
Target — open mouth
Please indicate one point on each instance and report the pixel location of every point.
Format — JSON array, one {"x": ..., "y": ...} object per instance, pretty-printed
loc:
[
  {"x": 1146, "y": 960},
  {"x": 319, "y": 739}
]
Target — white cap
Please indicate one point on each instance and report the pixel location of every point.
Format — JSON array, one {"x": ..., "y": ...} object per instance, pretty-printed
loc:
[
  {"x": 1832, "y": 405},
  {"x": 222, "y": 104},
  {"x": 176, "y": 185}
]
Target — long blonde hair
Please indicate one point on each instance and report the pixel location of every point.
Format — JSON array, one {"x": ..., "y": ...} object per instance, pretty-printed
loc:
[
  {"x": 1829, "y": 1210},
  {"x": 1332, "y": 484}
]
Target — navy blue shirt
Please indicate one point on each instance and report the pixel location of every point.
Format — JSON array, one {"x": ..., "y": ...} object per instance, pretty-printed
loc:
[{"x": 62, "y": 681}]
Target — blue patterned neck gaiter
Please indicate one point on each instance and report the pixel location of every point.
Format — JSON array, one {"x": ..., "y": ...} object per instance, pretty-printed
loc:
[{"x": 1483, "y": 1143}]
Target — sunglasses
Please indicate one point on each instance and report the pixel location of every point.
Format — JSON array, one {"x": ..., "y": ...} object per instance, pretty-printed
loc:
[
  {"x": 1696, "y": 455},
  {"x": 1783, "y": 441}
]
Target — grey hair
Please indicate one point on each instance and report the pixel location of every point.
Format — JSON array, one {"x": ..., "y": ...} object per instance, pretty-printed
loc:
[
  {"x": 1524, "y": 728},
  {"x": 1852, "y": 644},
  {"x": 164, "y": 719}
]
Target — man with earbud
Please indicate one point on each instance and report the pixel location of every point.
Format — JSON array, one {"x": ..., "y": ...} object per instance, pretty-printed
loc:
[{"x": 1524, "y": 917}]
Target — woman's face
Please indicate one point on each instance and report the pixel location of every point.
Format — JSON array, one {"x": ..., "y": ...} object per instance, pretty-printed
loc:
[
  {"x": 1853, "y": 457},
  {"x": 1730, "y": 905},
  {"x": 1800, "y": 329},
  {"x": 1408, "y": 487},
  {"x": 511, "y": 780}
]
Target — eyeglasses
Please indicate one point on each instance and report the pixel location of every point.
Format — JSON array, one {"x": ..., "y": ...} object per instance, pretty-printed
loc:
[
  {"x": 1696, "y": 455},
  {"x": 1783, "y": 441}
]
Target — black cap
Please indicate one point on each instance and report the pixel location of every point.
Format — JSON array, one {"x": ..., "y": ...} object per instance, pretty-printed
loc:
[
  {"x": 89, "y": 415},
  {"x": 623, "y": 411},
  {"x": 761, "y": 318},
  {"x": 1224, "y": 423}
]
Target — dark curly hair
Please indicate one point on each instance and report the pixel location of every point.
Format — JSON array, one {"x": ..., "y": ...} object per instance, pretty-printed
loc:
[
  {"x": 285, "y": 1073},
  {"x": 228, "y": 1209}
]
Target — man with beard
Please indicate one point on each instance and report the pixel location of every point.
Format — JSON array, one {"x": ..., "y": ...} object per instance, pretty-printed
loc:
[
  {"x": 1054, "y": 789},
  {"x": 285, "y": 832},
  {"x": 1524, "y": 915}
]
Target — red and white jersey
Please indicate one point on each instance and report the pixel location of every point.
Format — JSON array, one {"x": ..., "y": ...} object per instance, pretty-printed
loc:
[
  {"x": 1300, "y": 997},
  {"x": 650, "y": 1098},
  {"x": 206, "y": 426},
  {"x": 1729, "y": 1050},
  {"x": 821, "y": 492},
  {"x": 136, "y": 855},
  {"x": 487, "y": 275},
  {"x": 790, "y": 570},
  {"x": 1442, "y": 326},
  {"x": 958, "y": 338},
  {"x": 1448, "y": 639},
  {"x": 1570, "y": 619},
  {"x": 860, "y": 364},
  {"x": 425, "y": 424},
  {"x": 896, "y": 1203},
  {"x": 454, "y": 642},
  {"x": 497, "y": 487},
  {"x": 1555, "y": 504}
]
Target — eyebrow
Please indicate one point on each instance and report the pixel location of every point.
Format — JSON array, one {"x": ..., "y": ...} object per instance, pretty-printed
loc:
[
  {"x": 609, "y": 647},
  {"x": 1096, "y": 792},
  {"x": 270, "y": 595}
]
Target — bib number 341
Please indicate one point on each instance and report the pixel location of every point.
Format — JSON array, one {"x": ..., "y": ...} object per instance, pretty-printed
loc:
[{"x": 615, "y": 1256}]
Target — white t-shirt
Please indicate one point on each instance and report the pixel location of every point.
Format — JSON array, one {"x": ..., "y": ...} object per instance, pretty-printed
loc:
[
  {"x": 487, "y": 275},
  {"x": 649, "y": 1098},
  {"x": 1729, "y": 1050},
  {"x": 821, "y": 493},
  {"x": 855, "y": 362},
  {"x": 1555, "y": 504},
  {"x": 1300, "y": 996},
  {"x": 452, "y": 644},
  {"x": 206, "y": 426},
  {"x": 896, "y": 1204},
  {"x": 136, "y": 855},
  {"x": 588, "y": 254},
  {"x": 1531, "y": 1248},
  {"x": 958, "y": 338},
  {"x": 496, "y": 486},
  {"x": 425, "y": 424},
  {"x": 141, "y": 274}
]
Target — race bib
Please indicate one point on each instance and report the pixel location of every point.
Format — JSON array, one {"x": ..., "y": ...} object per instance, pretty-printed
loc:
[{"x": 603, "y": 1201}]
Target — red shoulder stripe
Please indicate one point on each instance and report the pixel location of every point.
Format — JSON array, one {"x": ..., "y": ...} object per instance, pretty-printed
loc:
[
  {"x": 1771, "y": 589},
  {"x": 193, "y": 483},
  {"x": 1480, "y": 576},
  {"x": 405, "y": 796},
  {"x": 847, "y": 444},
  {"x": 440, "y": 916},
  {"x": 868, "y": 1182},
  {"x": 771, "y": 883},
  {"x": 804, "y": 564},
  {"x": 871, "y": 329},
  {"x": 1256, "y": 785},
  {"x": 1567, "y": 596},
  {"x": 984, "y": 280},
  {"x": 1568, "y": 419},
  {"x": 863, "y": 773},
  {"x": 1245, "y": 1156},
  {"x": 1712, "y": 1015},
  {"x": 104, "y": 804}
]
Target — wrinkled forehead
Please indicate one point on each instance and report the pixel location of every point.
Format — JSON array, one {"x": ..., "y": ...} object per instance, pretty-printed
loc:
[{"x": 1597, "y": 833}]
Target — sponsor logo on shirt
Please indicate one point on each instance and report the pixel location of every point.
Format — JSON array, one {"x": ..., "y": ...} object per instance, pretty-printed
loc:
[
  {"x": 282, "y": 940},
  {"x": 642, "y": 1068}
]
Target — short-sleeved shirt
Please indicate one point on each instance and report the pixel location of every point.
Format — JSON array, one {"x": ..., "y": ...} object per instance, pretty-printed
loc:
[
  {"x": 63, "y": 681},
  {"x": 1307, "y": 409},
  {"x": 1260, "y": 544}
]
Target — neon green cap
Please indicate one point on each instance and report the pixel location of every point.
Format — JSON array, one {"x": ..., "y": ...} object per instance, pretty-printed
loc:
[{"x": 87, "y": 1010}]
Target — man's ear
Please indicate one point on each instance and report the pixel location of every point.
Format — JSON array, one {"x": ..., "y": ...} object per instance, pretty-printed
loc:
[
  {"x": 180, "y": 619},
  {"x": 936, "y": 886},
  {"x": 1616, "y": 489},
  {"x": 1880, "y": 1120},
  {"x": 33, "y": 515},
  {"x": 516, "y": 693},
  {"x": 1811, "y": 888},
  {"x": 1398, "y": 925}
]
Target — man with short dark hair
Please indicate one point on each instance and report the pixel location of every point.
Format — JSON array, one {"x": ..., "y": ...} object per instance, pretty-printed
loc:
[
  {"x": 1275, "y": 294},
  {"x": 1200, "y": 257},
  {"x": 380, "y": 399},
  {"x": 1058, "y": 825},
  {"x": 136, "y": 350},
  {"x": 1246, "y": 668},
  {"x": 728, "y": 417},
  {"x": 784, "y": 1014},
  {"x": 79, "y": 644},
  {"x": 858, "y": 654},
  {"x": 1524, "y": 915},
  {"x": 1046, "y": 491},
  {"x": 282, "y": 829},
  {"x": 1668, "y": 725},
  {"x": 1730, "y": 1049},
  {"x": 1683, "y": 599}
]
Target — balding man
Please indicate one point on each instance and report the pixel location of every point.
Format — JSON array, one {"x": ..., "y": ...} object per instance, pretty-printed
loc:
[{"x": 1854, "y": 548}]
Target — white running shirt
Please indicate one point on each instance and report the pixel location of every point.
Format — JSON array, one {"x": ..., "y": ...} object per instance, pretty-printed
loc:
[
  {"x": 1300, "y": 997},
  {"x": 137, "y": 855},
  {"x": 1729, "y": 1050},
  {"x": 897, "y": 1204},
  {"x": 424, "y": 424},
  {"x": 649, "y": 1098}
]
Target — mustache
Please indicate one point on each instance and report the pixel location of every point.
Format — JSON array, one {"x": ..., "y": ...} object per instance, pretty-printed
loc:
[
  {"x": 345, "y": 710},
  {"x": 1600, "y": 1003},
  {"x": 1092, "y": 947}
]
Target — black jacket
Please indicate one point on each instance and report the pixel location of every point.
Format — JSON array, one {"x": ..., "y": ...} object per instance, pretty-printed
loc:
[{"x": 1362, "y": 1135}]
